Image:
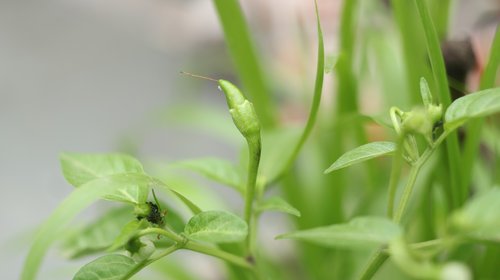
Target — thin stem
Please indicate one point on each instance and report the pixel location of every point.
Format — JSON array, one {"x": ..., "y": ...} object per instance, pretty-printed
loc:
[
  {"x": 223, "y": 255},
  {"x": 375, "y": 263},
  {"x": 254, "y": 151},
  {"x": 318, "y": 87},
  {"x": 405, "y": 197},
  {"x": 184, "y": 243},
  {"x": 412, "y": 177},
  {"x": 380, "y": 257}
]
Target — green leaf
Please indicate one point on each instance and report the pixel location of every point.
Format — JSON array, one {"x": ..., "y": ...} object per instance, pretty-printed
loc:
[
  {"x": 360, "y": 233},
  {"x": 78, "y": 168},
  {"x": 481, "y": 216},
  {"x": 109, "y": 267},
  {"x": 219, "y": 170},
  {"x": 216, "y": 227},
  {"x": 474, "y": 105},
  {"x": 425, "y": 92},
  {"x": 277, "y": 204},
  {"x": 77, "y": 201},
  {"x": 193, "y": 207},
  {"x": 362, "y": 153},
  {"x": 98, "y": 235},
  {"x": 128, "y": 232}
]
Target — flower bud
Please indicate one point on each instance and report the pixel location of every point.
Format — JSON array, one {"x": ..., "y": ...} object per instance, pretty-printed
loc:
[
  {"x": 417, "y": 121},
  {"x": 435, "y": 112},
  {"x": 242, "y": 111}
]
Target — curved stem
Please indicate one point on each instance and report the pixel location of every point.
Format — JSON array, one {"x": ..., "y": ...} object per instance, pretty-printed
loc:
[
  {"x": 318, "y": 87},
  {"x": 380, "y": 257},
  {"x": 405, "y": 197},
  {"x": 254, "y": 150},
  {"x": 184, "y": 243},
  {"x": 223, "y": 255},
  {"x": 375, "y": 263}
]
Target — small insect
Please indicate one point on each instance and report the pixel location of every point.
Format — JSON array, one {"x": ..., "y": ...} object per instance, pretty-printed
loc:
[{"x": 155, "y": 215}]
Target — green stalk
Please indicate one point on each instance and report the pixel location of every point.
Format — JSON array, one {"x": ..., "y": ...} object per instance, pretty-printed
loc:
[
  {"x": 244, "y": 55},
  {"x": 458, "y": 190},
  {"x": 374, "y": 264},
  {"x": 184, "y": 243},
  {"x": 254, "y": 151},
  {"x": 473, "y": 132},
  {"x": 318, "y": 87},
  {"x": 379, "y": 258},
  {"x": 223, "y": 255}
]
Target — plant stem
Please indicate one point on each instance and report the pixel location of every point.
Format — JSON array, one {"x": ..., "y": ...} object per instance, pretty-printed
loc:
[
  {"x": 375, "y": 263},
  {"x": 405, "y": 197},
  {"x": 223, "y": 255},
  {"x": 412, "y": 177},
  {"x": 254, "y": 151},
  {"x": 379, "y": 257},
  {"x": 184, "y": 243},
  {"x": 318, "y": 87}
]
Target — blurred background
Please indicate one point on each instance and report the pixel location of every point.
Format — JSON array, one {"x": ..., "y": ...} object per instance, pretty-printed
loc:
[{"x": 102, "y": 76}]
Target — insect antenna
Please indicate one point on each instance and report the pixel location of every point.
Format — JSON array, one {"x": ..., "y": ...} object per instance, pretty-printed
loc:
[{"x": 199, "y": 76}]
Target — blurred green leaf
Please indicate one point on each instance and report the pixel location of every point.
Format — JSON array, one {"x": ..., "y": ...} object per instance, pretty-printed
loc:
[
  {"x": 216, "y": 227},
  {"x": 219, "y": 170},
  {"x": 481, "y": 216},
  {"x": 98, "y": 235},
  {"x": 425, "y": 92},
  {"x": 78, "y": 168},
  {"x": 360, "y": 233},
  {"x": 127, "y": 232},
  {"x": 78, "y": 200},
  {"x": 278, "y": 204},
  {"x": 362, "y": 153},
  {"x": 474, "y": 105},
  {"x": 109, "y": 267}
]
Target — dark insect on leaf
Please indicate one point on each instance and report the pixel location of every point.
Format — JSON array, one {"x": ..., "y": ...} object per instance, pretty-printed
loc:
[{"x": 154, "y": 215}]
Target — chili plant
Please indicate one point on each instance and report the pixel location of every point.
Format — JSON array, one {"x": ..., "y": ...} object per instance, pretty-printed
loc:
[{"x": 434, "y": 217}]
